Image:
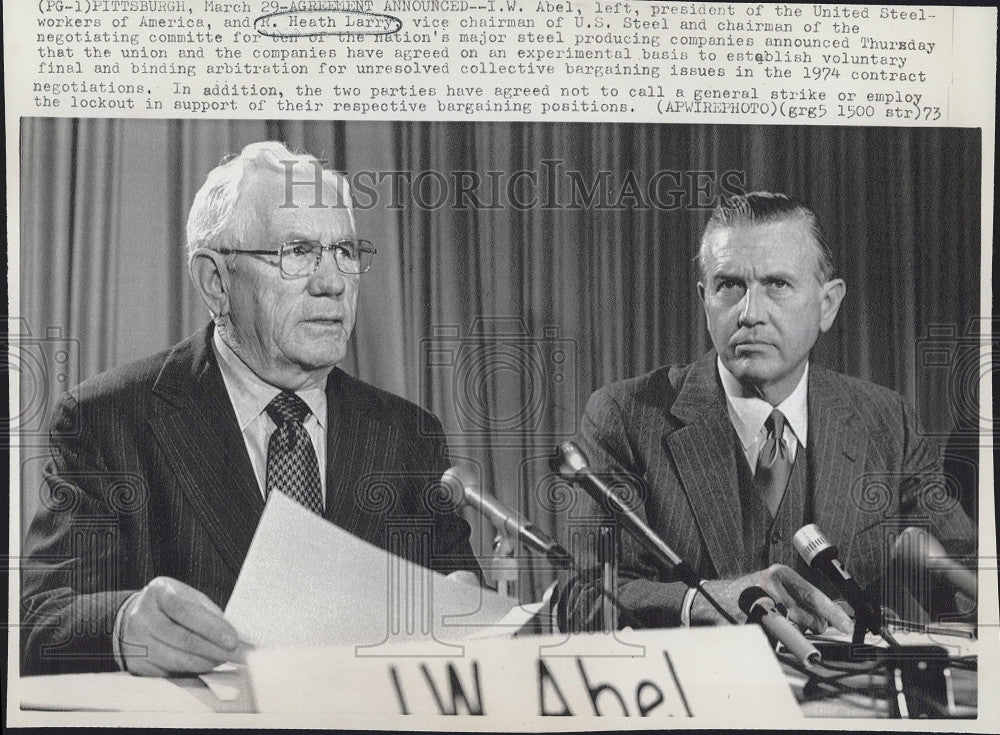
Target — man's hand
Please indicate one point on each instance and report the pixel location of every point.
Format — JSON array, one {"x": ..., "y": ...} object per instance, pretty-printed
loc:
[
  {"x": 807, "y": 606},
  {"x": 171, "y": 628}
]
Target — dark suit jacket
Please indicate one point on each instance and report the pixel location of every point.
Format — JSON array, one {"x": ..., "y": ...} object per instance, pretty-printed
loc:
[
  {"x": 150, "y": 476},
  {"x": 668, "y": 433}
]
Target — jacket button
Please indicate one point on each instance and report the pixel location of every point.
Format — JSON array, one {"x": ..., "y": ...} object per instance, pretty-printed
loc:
[{"x": 775, "y": 537}]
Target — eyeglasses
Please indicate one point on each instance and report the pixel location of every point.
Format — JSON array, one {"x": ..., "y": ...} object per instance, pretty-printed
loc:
[{"x": 301, "y": 258}]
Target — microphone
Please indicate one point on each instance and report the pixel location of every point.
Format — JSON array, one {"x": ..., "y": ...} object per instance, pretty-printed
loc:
[
  {"x": 916, "y": 549},
  {"x": 761, "y": 609},
  {"x": 822, "y": 556},
  {"x": 465, "y": 489},
  {"x": 570, "y": 462}
]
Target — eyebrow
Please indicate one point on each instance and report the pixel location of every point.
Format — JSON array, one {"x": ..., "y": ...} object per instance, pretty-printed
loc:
[
  {"x": 298, "y": 235},
  {"x": 767, "y": 276},
  {"x": 782, "y": 275},
  {"x": 295, "y": 234}
]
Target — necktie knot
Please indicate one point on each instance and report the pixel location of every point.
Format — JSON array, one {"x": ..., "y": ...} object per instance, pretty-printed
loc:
[
  {"x": 286, "y": 407},
  {"x": 775, "y": 424}
]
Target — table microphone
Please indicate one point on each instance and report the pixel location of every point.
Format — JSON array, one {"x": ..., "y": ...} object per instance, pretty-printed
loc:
[
  {"x": 571, "y": 463},
  {"x": 464, "y": 487},
  {"x": 918, "y": 550},
  {"x": 761, "y": 609},
  {"x": 822, "y": 556}
]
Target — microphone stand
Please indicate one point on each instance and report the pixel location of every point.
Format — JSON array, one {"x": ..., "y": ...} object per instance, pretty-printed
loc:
[
  {"x": 868, "y": 618},
  {"x": 504, "y": 551},
  {"x": 607, "y": 557},
  {"x": 506, "y": 573}
]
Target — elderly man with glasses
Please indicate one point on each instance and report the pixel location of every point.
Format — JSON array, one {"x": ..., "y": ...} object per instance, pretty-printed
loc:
[{"x": 160, "y": 469}]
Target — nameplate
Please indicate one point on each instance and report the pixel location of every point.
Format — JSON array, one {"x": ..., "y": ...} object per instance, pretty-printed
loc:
[{"x": 708, "y": 675}]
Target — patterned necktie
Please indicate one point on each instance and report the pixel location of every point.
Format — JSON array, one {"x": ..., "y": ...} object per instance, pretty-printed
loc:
[
  {"x": 291, "y": 460},
  {"x": 774, "y": 466}
]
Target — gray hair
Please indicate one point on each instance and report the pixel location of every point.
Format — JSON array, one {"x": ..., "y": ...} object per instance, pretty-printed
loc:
[
  {"x": 762, "y": 207},
  {"x": 219, "y": 218}
]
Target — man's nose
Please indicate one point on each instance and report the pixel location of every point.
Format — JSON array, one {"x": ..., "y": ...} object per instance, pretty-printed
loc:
[
  {"x": 751, "y": 311},
  {"x": 328, "y": 278}
]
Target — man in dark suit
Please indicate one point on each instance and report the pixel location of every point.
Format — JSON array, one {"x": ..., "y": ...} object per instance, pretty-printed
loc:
[
  {"x": 732, "y": 454},
  {"x": 160, "y": 469}
]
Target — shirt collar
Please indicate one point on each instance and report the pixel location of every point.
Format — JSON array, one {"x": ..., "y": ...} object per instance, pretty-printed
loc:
[
  {"x": 250, "y": 395},
  {"x": 749, "y": 413}
]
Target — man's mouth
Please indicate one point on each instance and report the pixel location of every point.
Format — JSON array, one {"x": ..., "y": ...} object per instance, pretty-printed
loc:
[{"x": 745, "y": 346}]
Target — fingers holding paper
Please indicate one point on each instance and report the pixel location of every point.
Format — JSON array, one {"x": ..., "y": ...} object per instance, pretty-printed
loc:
[{"x": 169, "y": 627}]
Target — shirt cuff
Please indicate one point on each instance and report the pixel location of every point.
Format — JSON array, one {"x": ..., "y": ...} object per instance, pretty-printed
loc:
[
  {"x": 116, "y": 635},
  {"x": 686, "y": 607}
]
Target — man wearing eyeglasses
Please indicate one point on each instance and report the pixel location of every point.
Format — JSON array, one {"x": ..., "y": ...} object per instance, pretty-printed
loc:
[{"x": 177, "y": 454}]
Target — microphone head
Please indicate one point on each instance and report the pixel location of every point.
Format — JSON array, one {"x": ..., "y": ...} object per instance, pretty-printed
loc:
[
  {"x": 916, "y": 552},
  {"x": 457, "y": 480},
  {"x": 916, "y": 545},
  {"x": 569, "y": 459},
  {"x": 749, "y": 597},
  {"x": 809, "y": 541}
]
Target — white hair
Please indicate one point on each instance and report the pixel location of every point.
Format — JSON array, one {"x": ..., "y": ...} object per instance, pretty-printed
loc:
[{"x": 217, "y": 219}]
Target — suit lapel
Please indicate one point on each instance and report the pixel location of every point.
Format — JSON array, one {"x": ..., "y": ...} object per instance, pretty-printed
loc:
[
  {"x": 194, "y": 422},
  {"x": 350, "y": 454},
  {"x": 837, "y": 448},
  {"x": 703, "y": 451}
]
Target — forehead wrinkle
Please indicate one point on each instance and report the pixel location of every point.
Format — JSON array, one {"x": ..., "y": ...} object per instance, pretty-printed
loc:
[
  {"x": 321, "y": 227},
  {"x": 303, "y": 222}
]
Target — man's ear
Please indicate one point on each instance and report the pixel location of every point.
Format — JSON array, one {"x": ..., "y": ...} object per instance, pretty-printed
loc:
[
  {"x": 211, "y": 280},
  {"x": 701, "y": 295},
  {"x": 833, "y": 294}
]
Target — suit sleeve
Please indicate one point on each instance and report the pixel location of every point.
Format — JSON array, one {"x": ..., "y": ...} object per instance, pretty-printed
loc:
[
  {"x": 72, "y": 560},
  {"x": 927, "y": 494},
  {"x": 647, "y": 598}
]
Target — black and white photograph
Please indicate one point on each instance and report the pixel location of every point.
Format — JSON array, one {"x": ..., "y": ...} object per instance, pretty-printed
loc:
[{"x": 325, "y": 419}]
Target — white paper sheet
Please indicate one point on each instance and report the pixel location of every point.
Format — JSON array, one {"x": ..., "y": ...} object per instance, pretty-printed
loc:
[
  {"x": 118, "y": 692},
  {"x": 306, "y": 581},
  {"x": 226, "y": 681}
]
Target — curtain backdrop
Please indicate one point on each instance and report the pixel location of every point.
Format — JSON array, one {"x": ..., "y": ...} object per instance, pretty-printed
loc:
[{"x": 503, "y": 318}]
